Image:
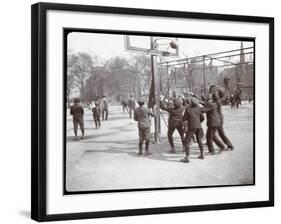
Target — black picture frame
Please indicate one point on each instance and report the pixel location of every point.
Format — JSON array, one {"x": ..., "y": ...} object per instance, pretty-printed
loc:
[
  {"x": 67, "y": 31},
  {"x": 39, "y": 110}
]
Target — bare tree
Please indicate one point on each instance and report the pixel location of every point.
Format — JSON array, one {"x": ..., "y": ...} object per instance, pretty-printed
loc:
[
  {"x": 116, "y": 76},
  {"x": 72, "y": 74},
  {"x": 141, "y": 68},
  {"x": 79, "y": 69},
  {"x": 94, "y": 83}
]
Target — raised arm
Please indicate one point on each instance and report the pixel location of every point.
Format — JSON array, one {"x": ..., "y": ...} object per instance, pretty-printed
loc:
[
  {"x": 151, "y": 113},
  {"x": 208, "y": 107},
  {"x": 163, "y": 106},
  {"x": 186, "y": 115}
]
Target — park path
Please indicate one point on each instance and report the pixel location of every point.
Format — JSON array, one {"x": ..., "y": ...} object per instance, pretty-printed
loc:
[{"x": 107, "y": 158}]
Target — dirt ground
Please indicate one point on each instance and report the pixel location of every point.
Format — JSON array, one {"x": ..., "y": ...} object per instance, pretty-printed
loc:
[{"x": 107, "y": 158}]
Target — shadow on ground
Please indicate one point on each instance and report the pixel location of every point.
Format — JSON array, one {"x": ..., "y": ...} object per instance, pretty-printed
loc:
[{"x": 159, "y": 151}]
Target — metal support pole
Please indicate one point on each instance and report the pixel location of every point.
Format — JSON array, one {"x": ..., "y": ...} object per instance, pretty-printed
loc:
[
  {"x": 237, "y": 75},
  {"x": 154, "y": 69},
  {"x": 168, "y": 76},
  {"x": 190, "y": 79},
  {"x": 204, "y": 76},
  {"x": 156, "y": 78},
  {"x": 187, "y": 77}
]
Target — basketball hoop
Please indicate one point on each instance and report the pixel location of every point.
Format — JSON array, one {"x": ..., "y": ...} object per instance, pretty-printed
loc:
[
  {"x": 161, "y": 46},
  {"x": 165, "y": 42}
]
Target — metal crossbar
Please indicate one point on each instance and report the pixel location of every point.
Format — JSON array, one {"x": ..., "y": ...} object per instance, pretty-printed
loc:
[{"x": 206, "y": 57}]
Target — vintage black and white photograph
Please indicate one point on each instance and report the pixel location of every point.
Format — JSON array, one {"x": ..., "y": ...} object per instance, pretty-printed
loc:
[{"x": 146, "y": 112}]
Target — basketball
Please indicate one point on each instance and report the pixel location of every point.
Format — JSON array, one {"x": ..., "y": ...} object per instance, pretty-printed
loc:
[{"x": 173, "y": 44}]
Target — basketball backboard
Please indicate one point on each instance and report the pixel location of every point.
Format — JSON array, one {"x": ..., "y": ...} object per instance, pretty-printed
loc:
[{"x": 164, "y": 46}]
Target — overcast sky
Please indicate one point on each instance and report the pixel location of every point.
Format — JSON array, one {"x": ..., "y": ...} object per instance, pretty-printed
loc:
[{"x": 111, "y": 45}]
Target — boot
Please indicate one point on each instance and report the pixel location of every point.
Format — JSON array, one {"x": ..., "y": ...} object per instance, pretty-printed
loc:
[
  {"x": 82, "y": 137},
  {"x": 202, "y": 156},
  {"x": 230, "y": 147},
  {"x": 147, "y": 149},
  {"x": 75, "y": 133},
  {"x": 185, "y": 159},
  {"x": 140, "y": 149}
]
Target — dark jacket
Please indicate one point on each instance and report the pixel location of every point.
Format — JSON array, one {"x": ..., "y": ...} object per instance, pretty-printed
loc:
[
  {"x": 221, "y": 97},
  {"x": 76, "y": 111},
  {"x": 175, "y": 113},
  {"x": 220, "y": 111},
  {"x": 194, "y": 117},
  {"x": 141, "y": 115},
  {"x": 104, "y": 104},
  {"x": 213, "y": 118},
  {"x": 131, "y": 103},
  {"x": 96, "y": 111},
  {"x": 124, "y": 102}
]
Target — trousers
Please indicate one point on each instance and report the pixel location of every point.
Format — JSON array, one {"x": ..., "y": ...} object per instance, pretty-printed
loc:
[
  {"x": 171, "y": 129},
  {"x": 211, "y": 131},
  {"x": 190, "y": 133},
  {"x": 78, "y": 121},
  {"x": 104, "y": 114}
]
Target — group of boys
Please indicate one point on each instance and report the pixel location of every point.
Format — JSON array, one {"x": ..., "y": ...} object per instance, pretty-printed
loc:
[
  {"x": 128, "y": 105},
  {"x": 186, "y": 116},
  {"x": 99, "y": 108}
]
